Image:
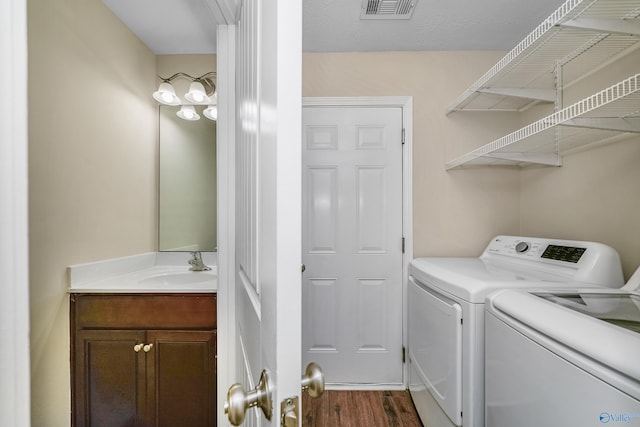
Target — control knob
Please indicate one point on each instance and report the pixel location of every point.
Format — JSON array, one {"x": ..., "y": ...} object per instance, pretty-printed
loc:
[{"x": 522, "y": 247}]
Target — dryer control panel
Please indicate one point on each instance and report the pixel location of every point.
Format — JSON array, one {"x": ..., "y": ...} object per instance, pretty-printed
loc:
[
  {"x": 563, "y": 253},
  {"x": 590, "y": 262}
]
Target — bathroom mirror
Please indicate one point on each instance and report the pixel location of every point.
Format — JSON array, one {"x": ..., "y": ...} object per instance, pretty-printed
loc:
[{"x": 187, "y": 212}]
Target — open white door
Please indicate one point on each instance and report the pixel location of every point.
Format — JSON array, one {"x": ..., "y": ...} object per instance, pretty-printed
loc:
[{"x": 268, "y": 52}]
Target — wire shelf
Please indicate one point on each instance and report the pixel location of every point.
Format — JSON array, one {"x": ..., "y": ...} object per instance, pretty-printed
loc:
[
  {"x": 608, "y": 113},
  {"x": 527, "y": 71}
]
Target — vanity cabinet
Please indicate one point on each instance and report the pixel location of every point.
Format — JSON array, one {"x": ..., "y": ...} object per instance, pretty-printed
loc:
[{"x": 143, "y": 360}]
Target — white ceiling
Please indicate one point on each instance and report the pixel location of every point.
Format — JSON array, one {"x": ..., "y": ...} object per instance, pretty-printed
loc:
[{"x": 188, "y": 26}]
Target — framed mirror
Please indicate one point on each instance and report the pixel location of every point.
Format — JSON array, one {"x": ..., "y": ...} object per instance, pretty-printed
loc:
[{"x": 187, "y": 211}]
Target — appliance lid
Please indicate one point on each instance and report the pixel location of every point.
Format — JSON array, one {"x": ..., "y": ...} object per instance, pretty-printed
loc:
[
  {"x": 574, "y": 335},
  {"x": 622, "y": 310},
  {"x": 473, "y": 279},
  {"x": 521, "y": 262}
]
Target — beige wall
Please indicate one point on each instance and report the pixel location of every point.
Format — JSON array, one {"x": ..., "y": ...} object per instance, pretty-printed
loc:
[
  {"x": 455, "y": 213},
  {"x": 92, "y": 160},
  {"x": 596, "y": 193}
]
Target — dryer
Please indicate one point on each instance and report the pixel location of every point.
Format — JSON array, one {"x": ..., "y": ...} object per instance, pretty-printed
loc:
[
  {"x": 446, "y": 298},
  {"x": 566, "y": 358}
]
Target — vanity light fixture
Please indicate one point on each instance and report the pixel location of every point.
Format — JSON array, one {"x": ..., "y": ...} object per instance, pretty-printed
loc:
[
  {"x": 211, "y": 112},
  {"x": 166, "y": 94},
  {"x": 202, "y": 91},
  {"x": 188, "y": 112},
  {"x": 196, "y": 94}
]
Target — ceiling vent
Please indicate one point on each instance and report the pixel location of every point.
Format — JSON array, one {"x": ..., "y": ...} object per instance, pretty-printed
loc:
[{"x": 387, "y": 9}]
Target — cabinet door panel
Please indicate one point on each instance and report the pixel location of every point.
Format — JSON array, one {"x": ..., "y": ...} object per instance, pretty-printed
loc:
[
  {"x": 182, "y": 378},
  {"x": 109, "y": 379}
]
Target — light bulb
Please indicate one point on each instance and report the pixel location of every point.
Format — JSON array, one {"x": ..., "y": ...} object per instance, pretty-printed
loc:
[
  {"x": 167, "y": 97},
  {"x": 196, "y": 94},
  {"x": 166, "y": 94},
  {"x": 211, "y": 112},
  {"x": 188, "y": 112}
]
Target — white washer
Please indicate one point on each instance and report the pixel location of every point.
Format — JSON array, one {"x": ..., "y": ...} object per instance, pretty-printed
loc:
[
  {"x": 563, "y": 358},
  {"x": 446, "y": 314}
]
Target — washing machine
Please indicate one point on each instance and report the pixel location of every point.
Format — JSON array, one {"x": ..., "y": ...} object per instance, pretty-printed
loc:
[
  {"x": 563, "y": 357},
  {"x": 446, "y": 298}
]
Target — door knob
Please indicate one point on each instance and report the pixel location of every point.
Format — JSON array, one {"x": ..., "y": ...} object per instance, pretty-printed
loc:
[
  {"x": 238, "y": 400},
  {"x": 313, "y": 380}
]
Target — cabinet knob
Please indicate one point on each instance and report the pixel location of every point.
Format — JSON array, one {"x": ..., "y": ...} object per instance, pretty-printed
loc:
[
  {"x": 137, "y": 347},
  {"x": 147, "y": 348}
]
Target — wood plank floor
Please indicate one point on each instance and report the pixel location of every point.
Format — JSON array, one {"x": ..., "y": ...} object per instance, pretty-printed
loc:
[{"x": 347, "y": 408}]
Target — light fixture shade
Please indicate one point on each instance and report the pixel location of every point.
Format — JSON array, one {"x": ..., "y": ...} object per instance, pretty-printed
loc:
[
  {"x": 197, "y": 94},
  {"x": 166, "y": 94},
  {"x": 188, "y": 112},
  {"x": 211, "y": 112}
]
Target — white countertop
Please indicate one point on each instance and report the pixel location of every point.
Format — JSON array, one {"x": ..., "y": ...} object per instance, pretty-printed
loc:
[{"x": 154, "y": 272}]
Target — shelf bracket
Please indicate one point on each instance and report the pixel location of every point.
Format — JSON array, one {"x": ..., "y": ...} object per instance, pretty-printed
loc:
[
  {"x": 547, "y": 159},
  {"x": 536, "y": 94},
  {"x": 630, "y": 124},
  {"x": 616, "y": 26}
]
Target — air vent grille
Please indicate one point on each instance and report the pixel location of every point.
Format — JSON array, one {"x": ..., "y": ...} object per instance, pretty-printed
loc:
[{"x": 387, "y": 9}]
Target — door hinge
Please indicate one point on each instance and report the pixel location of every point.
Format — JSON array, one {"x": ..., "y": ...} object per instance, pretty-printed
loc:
[
  {"x": 403, "y": 245},
  {"x": 404, "y": 355},
  {"x": 402, "y": 136}
]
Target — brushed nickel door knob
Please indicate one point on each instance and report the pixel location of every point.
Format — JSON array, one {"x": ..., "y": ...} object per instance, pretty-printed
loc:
[
  {"x": 238, "y": 400},
  {"x": 313, "y": 380}
]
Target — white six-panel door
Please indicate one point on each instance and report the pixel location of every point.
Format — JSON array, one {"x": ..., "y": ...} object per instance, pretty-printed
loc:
[{"x": 352, "y": 202}]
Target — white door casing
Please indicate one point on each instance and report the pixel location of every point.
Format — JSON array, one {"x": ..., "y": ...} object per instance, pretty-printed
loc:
[
  {"x": 226, "y": 345},
  {"x": 354, "y": 219},
  {"x": 267, "y": 200},
  {"x": 14, "y": 253}
]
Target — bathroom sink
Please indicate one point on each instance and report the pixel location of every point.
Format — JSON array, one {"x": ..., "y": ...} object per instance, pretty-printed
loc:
[{"x": 176, "y": 279}]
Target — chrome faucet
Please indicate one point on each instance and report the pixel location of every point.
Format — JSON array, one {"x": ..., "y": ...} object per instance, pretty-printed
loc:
[{"x": 196, "y": 262}]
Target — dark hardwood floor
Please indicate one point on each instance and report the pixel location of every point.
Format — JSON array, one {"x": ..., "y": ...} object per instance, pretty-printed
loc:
[{"x": 346, "y": 408}]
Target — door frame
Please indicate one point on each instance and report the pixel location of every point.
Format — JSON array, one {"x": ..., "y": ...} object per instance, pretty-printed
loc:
[
  {"x": 14, "y": 253},
  {"x": 225, "y": 137},
  {"x": 406, "y": 104}
]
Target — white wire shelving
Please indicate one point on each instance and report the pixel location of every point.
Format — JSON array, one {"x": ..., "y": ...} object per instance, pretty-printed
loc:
[
  {"x": 606, "y": 114},
  {"x": 580, "y": 35}
]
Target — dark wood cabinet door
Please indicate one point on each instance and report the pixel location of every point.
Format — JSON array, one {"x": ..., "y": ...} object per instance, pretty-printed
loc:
[
  {"x": 169, "y": 380},
  {"x": 109, "y": 379},
  {"x": 181, "y": 375}
]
